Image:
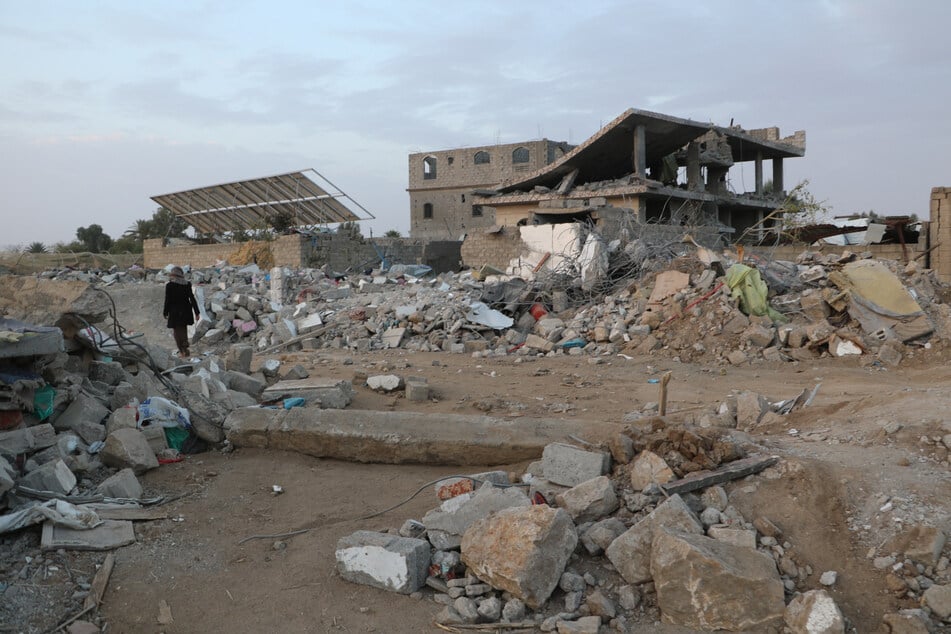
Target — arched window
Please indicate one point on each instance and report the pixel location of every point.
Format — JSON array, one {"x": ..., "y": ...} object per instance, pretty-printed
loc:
[
  {"x": 427, "y": 210},
  {"x": 520, "y": 155},
  {"x": 429, "y": 168},
  {"x": 482, "y": 158}
]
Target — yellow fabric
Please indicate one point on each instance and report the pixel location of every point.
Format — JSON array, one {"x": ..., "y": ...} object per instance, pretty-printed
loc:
[{"x": 751, "y": 290}]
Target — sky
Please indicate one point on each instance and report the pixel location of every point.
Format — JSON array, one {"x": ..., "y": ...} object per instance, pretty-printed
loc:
[{"x": 104, "y": 104}]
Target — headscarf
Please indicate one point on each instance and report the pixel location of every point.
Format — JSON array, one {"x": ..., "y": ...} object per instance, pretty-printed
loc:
[{"x": 177, "y": 275}]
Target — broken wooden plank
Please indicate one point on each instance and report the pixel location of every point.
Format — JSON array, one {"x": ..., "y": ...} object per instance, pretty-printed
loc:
[
  {"x": 731, "y": 471},
  {"x": 108, "y": 535},
  {"x": 99, "y": 582}
]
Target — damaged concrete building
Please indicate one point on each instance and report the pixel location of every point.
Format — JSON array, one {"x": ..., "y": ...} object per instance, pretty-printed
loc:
[
  {"x": 441, "y": 183},
  {"x": 643, "y": 168}
]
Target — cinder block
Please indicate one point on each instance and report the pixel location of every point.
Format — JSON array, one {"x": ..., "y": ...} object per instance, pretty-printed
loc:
[
  {"x": 388, "y": 562},
  {"x": 417, "y": 389}
]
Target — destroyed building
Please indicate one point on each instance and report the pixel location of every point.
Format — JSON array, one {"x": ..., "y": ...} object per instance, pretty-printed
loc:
[
  {"x": 441, "y": 183},
  {"x": 656, "y": 170}
]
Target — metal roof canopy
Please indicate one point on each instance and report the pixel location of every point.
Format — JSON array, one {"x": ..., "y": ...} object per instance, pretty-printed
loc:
[{"x": 308, "y": 197}]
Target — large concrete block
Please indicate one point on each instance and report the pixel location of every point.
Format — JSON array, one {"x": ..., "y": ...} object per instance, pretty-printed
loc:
[
  {"x": 27, "y": 439},
  {"x": 53, "y": 476},
  {"x": 569, "y": 466},
  {"x": 239, "y": 358},
  {"x": 631, "y": 552},
  {"x": 397, "y": 564},
  {"x": 122, "y": 418},
  {"x": 521, "y": 550},
  {"x": 128, "y": 448},
  {"x": 706, "y": 584},
  {"x": 122, "y": 484},
  {"x": 111, "y": 373},
  {"x": 447, "y": 524}
]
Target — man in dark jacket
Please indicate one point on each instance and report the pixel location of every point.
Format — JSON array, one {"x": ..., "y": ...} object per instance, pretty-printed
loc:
[{"x": 180, "y": 305}]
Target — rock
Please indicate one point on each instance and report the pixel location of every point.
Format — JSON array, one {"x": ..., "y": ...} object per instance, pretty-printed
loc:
[
  {"x": 8, "y": 476},
  {"x": 715, "y": 497},
  {"x": 569, "y": 466},
  {"x": 707, "y": 584},
  {"x": 571, "y": 582},
  {"x": 907, "y": 622},
  {"x": 239, "y": 359},
  {"x": 514, "y": 611},
  {"x": 207, "y": 417},
  {"x": 601, "y": 606},
  {"x": 814, "y": 612},
  {"x": 122, "y": 484},
  {"x": 521, "y": 550},
  {"x": 250, "y": 385},
  {"x": 84, "y": 409},
  {"x": 710, "y": 516},
  {"x": 490, "y": 609},
  {"x": 631, "y": 552},
  {"x": 128, "y": 448},
  {"x": 446, "y": 525},
  {"x": 937, "y": 598},
  {"x": 767, "y": 528},
  {"x": 584, "y": 625},
  {"x": 649, "y": 467},
  {"x": 628, "y": 597},
  {"x": 270, "y": 368},
  {"x": 412, "y": 528},
  {"x": 737, "y": 357},
  {"x": 590, "y": 500},
  {"x": 53, "y": 476},
  {"x": 296, "y": 373},
  {"x": 828, "y": 578},
  {"x": 622, "y": 448},
  {"x": 122, "y": 418},
  {"x": 397, "y": 564},
  {"x": 736, "y": 536},
  {"x": 467, "y": 609},
  {"x": 385, "y": 382},
  {"x": 599, "y": 535},
  {"x": 920, "y": 543},
  {"x": 27, "y": 440},
  {"x": 750, "y": 408},
  {"x": 449, "y": 616}
]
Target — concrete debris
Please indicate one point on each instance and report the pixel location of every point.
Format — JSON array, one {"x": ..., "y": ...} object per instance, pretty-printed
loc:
[
  {"x": 814, "y": 612},
  {"x": 397, "y": 564}
]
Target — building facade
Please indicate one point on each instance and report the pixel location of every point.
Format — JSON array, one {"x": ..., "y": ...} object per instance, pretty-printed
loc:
[{"x": 442, "y": 184}]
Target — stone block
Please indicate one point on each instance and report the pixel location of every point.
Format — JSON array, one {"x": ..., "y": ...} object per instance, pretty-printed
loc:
[
  {"x": 759, "y": 336},
  {"x": 631, "y": 552},
  {"x": 111, "y": 373},
  {"x": 590, "y": 500},
  {"x": 83, "y": 408},
  {"x": 89, "y": 431},
  {"x": 122, "y": 484},
  {"x": 706, "y": 584},
  {"x": 8, "y": 476},
  {"x": 308, "y": 324},
  {"x": 648, "y": 467},
  {"x": 814, "y": 612},
  {"x": 239, "y": 358},
  {"x": 584, "y": 625},
  {"x": 128, "y": 448},
  {"x": 452, "y": 487},
  {"x": 534, "y": 342},
  {"x": 393, "y": 337},
  {"x": 599, "y": 536},
  {"x": 521, "y": 550},
  {"x": 27, "y": 439},
  {"x": 52, "y": 476},
  {"x": 155, "y": 435},
  {"x": 908, "y": 622},
  {"x": 920, "y": 543},
  {"x": 475, "y": 345},
  {"x": 447, "y": 524},
  {"x": 814, "y": 307},
  {"x": 417, "y": 390},
  {"x": 250, "y": 385},
  {"x": 750, "y": 408},
  {"x": 388, "y": 562},
  {"x": 569, "y": 466}
]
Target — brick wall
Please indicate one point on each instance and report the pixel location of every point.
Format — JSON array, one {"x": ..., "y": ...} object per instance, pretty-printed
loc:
[
  {"x": 493, "y": 249},
  {"x": 457, "y": 174},
  {"x": 287, "y": 251},
  {"x": 940, "y": 232},
  {"x": 883, "y": 251}
]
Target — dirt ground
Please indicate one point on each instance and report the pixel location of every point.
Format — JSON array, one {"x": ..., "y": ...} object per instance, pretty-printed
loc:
[{"x": 839, "y": 469}]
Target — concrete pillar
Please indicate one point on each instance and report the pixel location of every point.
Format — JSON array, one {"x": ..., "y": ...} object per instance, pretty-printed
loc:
[
  {"x": 640, "y": 151},
  {"x": 778, "y": 187},
  {"x": 759, "y": 172},
  {"x": 694, "y": 180}
]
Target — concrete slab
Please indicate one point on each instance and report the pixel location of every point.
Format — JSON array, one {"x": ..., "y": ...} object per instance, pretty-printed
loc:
[
  {"x": 107, "y": 536},
  {"x": 317, "y": 392},
  {"x": 405, "y": 437}
]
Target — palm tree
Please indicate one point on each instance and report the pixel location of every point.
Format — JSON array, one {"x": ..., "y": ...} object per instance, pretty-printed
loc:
[{"x": 35, "y": 247}]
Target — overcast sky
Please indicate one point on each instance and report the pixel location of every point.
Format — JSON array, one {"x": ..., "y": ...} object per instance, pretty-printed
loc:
[{"x": 103, "y": 104}]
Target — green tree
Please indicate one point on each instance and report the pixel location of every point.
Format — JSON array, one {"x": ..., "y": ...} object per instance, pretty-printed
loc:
[
  {"x": 392, "y": 233},
  {"x": 351, "y": 229},
  {"x": 93, "y": 239},
  {"x": 281, "y": 221},
  {"x": 35, "y": 247},
  {"x": 166, "y": 224}
]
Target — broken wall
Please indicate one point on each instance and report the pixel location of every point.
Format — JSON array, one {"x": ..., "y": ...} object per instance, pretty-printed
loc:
[
  {"x": 491, "y": 249},
  {"x": 287, "y": 251},
  {"x": 940, "y": 232}
]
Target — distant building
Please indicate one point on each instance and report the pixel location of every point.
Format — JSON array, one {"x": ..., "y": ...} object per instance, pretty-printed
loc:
[{"x": 442, "y": 184}]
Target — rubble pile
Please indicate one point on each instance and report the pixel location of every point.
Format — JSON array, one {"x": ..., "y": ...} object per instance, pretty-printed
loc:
[{"x": 605, "y": 538}]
